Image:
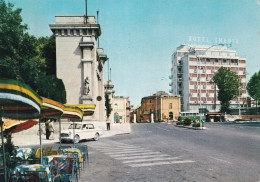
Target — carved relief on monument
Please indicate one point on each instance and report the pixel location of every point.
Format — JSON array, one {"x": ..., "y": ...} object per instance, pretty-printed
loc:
[{"x": 86, "y": 87}]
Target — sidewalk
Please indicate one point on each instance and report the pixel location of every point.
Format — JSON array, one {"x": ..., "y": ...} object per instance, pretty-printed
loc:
[{"x": 33, "y": 139}]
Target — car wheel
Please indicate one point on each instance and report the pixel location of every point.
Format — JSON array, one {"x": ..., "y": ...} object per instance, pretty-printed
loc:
[
  {"x": 96, "y": 137},
  {"x": 76, "y": 139}
]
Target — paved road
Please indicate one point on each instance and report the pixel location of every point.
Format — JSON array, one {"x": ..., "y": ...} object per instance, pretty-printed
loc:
[{"x": 163, "y": 152}]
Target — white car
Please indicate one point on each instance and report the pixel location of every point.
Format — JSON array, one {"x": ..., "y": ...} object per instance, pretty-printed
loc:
[{"x": 82, "y": 130}]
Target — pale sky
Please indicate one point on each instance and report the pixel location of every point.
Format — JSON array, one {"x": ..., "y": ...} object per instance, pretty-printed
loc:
[{"x": 139, "y": 36}]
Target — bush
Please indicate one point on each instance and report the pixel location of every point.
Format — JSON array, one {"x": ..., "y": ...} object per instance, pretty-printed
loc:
[
  {"x": 187, "y": 121},
  {"x": 197, "y": 124},
  {"x": 240, "y": 120},
  {"x": 179, "y": 123}
]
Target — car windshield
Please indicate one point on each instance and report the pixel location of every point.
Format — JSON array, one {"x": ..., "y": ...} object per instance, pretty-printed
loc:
[{"x": 75, "y": 126}]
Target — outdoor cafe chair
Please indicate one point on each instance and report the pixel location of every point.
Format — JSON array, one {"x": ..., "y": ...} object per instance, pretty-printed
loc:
[
  {"x": 65, "y": 167},
  {"x": 41, "y": 171},
  {"x": 23, "y": 178},
  {"x": 84, "y": 151},
  {"x": 75, "y": 156},
  {"x": 47, "y": 151}
]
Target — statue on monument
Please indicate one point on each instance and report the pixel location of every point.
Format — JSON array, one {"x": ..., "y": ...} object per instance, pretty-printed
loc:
[{"x": 86, "y": 88}]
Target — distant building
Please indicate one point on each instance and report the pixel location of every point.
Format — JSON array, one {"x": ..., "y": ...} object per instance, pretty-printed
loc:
[
  {"x": 161, "y": 106},
  {"x": 121, "y": 109},
  {"x": 193, "y": 67},
  {"x": 148, "y": 108}
]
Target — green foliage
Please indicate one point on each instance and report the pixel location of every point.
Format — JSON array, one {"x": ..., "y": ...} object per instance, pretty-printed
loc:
[
  {"x": 197, "y": 124},
  {"x": 193, "y": 118},
  {"x": 51, "y": 87},
  {"x": 25, "y": 58},
  {"x": 47, "y": 50},
  {"x": 240, "y": 120},
  {"x": 9, "y": 146},
  {"x": 179, "y": 123},
  {"x": 9, "y": 68},
  {"x": 187, "y": 121},
  {"x": 253, "y": 86},
  {"x": 229, "y": 85},
  {"x": 108, "y": 105},
  {"x": 11, "y": 31}
]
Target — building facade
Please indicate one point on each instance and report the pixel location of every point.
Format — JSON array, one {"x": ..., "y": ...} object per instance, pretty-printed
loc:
[
  {"x": 79, "y": 62},
  {"x": 167, "y": 107},
  {"x": 160, "y": 106},
  {"x": 193, "y": 67},
  {"x": 147, "y": 108},
  {"x": 121, "y": 109}
]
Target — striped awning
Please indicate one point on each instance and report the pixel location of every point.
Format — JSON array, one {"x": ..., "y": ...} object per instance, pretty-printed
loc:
[
  {"x": 88, "y": 109},
  {"x": 17, "y": 125},
  {"x": 18, "y": 100},
  {"x": 9, "y": 123},
  {"x": 51, "y": 108},
  {"x": 72, "y": 112}
]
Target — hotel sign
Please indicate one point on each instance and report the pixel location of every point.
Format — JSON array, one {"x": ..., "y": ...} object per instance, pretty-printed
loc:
[{"x": 207, "y": 40}]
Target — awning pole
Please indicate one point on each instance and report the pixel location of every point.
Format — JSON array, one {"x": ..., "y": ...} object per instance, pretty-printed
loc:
[
  {"x": 59, "y": 130},
  {"x": 3, "y": 145},
  {"x": 40, "y": 134},
  {"x": 73, "y": 134}
]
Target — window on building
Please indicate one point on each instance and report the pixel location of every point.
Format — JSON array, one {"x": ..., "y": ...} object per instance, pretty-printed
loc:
[{"x": 170, "y": 106}]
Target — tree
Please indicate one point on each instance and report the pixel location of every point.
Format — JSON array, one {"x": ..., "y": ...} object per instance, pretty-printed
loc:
[
  {"x": 47, "y": 50},
  {"x": 229, "y": 85},
  {"x": 253, "y": 86},
  {"x": 108, "y": 105},
  {"x": 25, "y": 58}
]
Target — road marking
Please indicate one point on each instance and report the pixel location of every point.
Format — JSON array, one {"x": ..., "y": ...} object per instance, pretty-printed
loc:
[
  {"x": 121, "y": 150},
  {"x": 152, "y": 159},
  {"x": 118, "y": 147},
  {"x": 162, "y": 128},
  {"x": 221, "y": 160},
  {"x": 141, "y": 157},
  {"x": 160, "y": 163},
  {"x": 134, "y": 154},
  {"x": 127, "y": 152}
]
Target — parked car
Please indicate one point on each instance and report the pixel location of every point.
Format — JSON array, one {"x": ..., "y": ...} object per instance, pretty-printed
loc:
[{"x": 82, "y": 130}]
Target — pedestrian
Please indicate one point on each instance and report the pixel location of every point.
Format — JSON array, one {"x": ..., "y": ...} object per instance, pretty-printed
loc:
[
  {"x": 47, "y": 123},
  {"x": 51, "y": 129},
  {"x": 108, "y": 125}
]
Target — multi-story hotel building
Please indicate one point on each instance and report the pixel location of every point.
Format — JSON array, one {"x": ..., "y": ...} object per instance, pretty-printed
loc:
[{"x": 193, "y": 67}]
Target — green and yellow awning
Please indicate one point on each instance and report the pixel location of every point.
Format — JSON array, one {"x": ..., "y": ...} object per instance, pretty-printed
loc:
[
  {"x": 51, "y": 108},
  {"x": 88, "y": 109},
  {"x": 18, "y": 100},
  {"x": 72, "y": 112}
]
